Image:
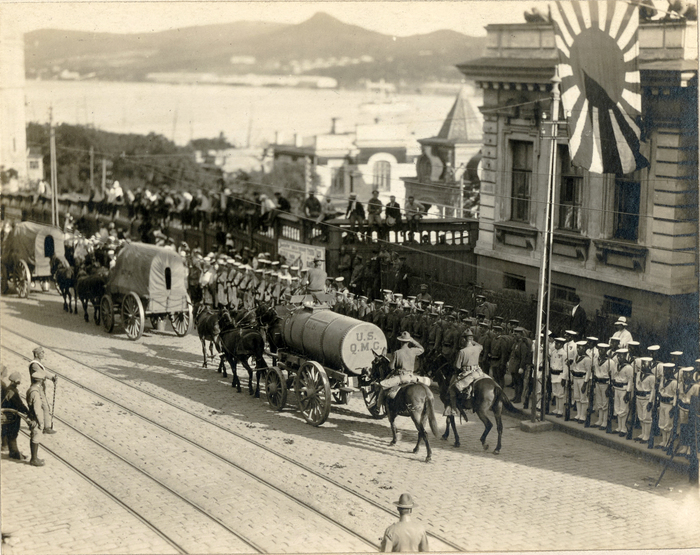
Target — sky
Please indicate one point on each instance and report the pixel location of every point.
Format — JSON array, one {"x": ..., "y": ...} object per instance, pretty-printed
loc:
[{"x": 398, "y": 18}]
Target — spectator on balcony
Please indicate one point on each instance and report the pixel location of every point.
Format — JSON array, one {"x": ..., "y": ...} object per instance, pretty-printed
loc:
[
  {"x": 414, "y": 213},
  {"x": 355, "y": 212},
  {"x": 328, "y": 212},
  {"x": 374, "y": 213},
  {"x": 393, "y": 213},
  {"x": 312, "y": 207},
  {"x": 267, "y": 212},
  {"x": 282, "y": 203}
]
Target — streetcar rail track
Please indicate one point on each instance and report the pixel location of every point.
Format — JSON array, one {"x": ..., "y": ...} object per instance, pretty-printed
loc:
[
  {"x": 109, "y": 494},
  {"x": 264, "y": 482}
]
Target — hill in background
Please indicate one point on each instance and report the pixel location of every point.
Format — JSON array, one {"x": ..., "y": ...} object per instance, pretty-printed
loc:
[{"x": 321, "y": 45}]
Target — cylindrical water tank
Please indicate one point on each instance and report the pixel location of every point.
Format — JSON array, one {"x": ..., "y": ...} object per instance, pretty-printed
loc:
[{"x": 334, "y": 340}]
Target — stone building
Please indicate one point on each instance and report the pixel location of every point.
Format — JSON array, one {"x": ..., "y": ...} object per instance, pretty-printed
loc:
[{"x": 627, "y": 245}]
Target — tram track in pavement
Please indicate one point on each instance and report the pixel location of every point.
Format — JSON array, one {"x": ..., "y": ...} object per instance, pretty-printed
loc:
[
  {"x": 126, "y": 506},
  {"x": 305, "y": 468}
]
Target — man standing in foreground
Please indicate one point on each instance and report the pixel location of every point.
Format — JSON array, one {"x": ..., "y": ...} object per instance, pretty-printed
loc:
[
  {"x": 37, "y": 366},
  {"x": 406, "y": 536}
]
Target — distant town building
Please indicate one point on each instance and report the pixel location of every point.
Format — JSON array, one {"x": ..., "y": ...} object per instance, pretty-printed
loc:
[
  {"x": 441, "y": 169},
  {"x": 35, "y": 165},
  {"x": 627, "y": 245},
  {"x": 373, "y": 156},
  {"x": 13, "y": 123}
]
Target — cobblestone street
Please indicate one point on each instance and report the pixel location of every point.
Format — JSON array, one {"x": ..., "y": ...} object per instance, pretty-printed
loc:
[{"x": 167, "y": 419}]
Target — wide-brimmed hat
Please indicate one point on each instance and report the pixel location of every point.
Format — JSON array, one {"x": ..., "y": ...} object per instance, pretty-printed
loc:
[
  {"x": 405, "y": 336},
  {"x": 621, "y": 321},
  {"x": 15, "y": 377},
  {"x": 405, "y": 501}
]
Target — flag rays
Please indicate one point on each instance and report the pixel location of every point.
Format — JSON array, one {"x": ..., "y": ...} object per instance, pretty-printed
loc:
[{"x": 598, "y": 53}]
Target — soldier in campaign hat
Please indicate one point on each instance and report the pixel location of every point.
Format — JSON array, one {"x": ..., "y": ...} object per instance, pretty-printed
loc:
[
  {"x": 37, "y": 366},
  {"x": 406, "y": 535},
  {"x": 37, "y": 409}
]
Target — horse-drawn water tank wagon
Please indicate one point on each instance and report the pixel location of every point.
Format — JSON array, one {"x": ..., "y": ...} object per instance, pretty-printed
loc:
[{"x": 325, "y": 356}]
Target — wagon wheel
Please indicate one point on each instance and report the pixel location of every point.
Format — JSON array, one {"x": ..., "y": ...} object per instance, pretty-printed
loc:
[
  {"x": 369, "y": 394},
  {"x": 340, "y": 397},
  {"x": 275, "y": 388},
  {"x": 22, "y": 279},
  {"x": 313, "y": 391},
  {"x": 133, "y": 317},
  {"x": 181, "y": 322},
  {"x": 4, "y": 282},
  {"x": 107, "y": 313}
]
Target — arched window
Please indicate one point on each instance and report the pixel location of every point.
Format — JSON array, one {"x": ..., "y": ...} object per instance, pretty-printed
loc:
[
  {"x": 168, "y": 279},
  {"x": 48, "y": 246},
  {"x": 382, "y": 175}
]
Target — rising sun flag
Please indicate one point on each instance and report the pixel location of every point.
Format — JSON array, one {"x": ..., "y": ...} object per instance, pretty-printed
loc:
[{"x": 598, "y": 66}]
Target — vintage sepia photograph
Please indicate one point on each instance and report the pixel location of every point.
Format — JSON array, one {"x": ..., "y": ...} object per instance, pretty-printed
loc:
[{"x": 348, "y": 277}]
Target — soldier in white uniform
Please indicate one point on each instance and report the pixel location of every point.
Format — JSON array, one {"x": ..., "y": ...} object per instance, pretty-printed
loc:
[
  {"x": 622, "y": 379},
  {"x": 668, "y": 390},
  {"x": 688, "y": 386},
  {"x": 581, "y": 376},
  {"x": 592, "y": 350},
  {"x": 645, "y": 387},
  {"x": 558, "y": 373},
  {"x": 657, "y": 367},
  {"x": 602, "y": 371}
]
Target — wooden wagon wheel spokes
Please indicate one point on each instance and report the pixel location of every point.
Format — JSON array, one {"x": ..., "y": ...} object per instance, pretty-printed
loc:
[
  {"x": 22, "y": 279},
  {"x": 133, "y": 317},
  {"x": 275, "y": 388},
  {"x": 369, "y": 394},
  {"x": 107, "y": 313},
  {"x": 180, "y": 322},
  {"x": 313, "y": 392}
]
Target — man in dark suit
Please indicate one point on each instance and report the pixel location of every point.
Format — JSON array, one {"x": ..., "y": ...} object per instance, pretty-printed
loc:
[{"x": 578, "y": 321}]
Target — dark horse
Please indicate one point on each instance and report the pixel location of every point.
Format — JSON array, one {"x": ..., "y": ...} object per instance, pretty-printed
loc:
[
  {"x": 414, "y": 400},
  {"x": 65, "y": 280},
  {"x": 485, "y": 395},
  {"x": 90, "y": 288},
  {"x": 239, "y": 344},
  {"x": 206, "y": 320}
]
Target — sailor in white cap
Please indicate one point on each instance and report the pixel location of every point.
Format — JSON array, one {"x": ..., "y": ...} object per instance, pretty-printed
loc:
[
  {"x": 622, "y": 334},
  {"x": 668, "y": 390},
  {"x": 622, "y": 379},
  {"x": 581, "y": 376},
  {"x": 688, "y": 387},
  {"x": 558, "y": 374},
  {"x": 645, "y": 391},
  {"x": 657, "y": 367},
  {"x": 602, "y": 371}
]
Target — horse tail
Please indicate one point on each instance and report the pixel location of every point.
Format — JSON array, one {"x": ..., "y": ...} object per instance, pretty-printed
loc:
[
  {"x": 506, "y": 402},
  {"x": 431, "y": 413}
]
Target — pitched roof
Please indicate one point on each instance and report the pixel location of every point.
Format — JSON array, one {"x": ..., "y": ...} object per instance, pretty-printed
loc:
[{"x": 461, "y": 124}]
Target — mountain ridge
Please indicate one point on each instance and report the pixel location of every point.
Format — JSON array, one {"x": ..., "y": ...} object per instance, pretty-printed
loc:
[{"x": 321, "y": 45}]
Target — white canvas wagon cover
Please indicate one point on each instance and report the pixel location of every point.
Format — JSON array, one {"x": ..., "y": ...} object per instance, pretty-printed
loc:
[
  {"x": 35, "y": 244},
  {"x": 155, "y": 274}
]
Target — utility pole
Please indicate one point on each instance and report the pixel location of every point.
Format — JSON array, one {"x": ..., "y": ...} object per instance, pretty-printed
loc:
[
  {"x": 542, "y": 327},
  {"x": 54, "y": 171},
  {"x": 92, "y": 170}
]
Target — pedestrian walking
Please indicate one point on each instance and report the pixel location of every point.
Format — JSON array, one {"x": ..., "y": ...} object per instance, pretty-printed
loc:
[
  {"x": 37, "y": 366},
  {"x": 406, "y": 535},
  {"x": 11, "y": 420}
]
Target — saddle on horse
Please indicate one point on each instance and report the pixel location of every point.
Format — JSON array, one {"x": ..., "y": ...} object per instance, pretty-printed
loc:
[{"x": 394, "y": 383}]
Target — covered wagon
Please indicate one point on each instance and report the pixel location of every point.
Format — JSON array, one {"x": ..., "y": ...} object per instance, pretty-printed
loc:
[
  {"x": 26, "y": 255},
  {"x": 146, "y": 281}
]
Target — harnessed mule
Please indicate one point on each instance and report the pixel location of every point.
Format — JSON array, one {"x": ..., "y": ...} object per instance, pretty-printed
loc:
[
  {"x": 206, "y": 320},
  {"x": 239, "y": 344}
]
